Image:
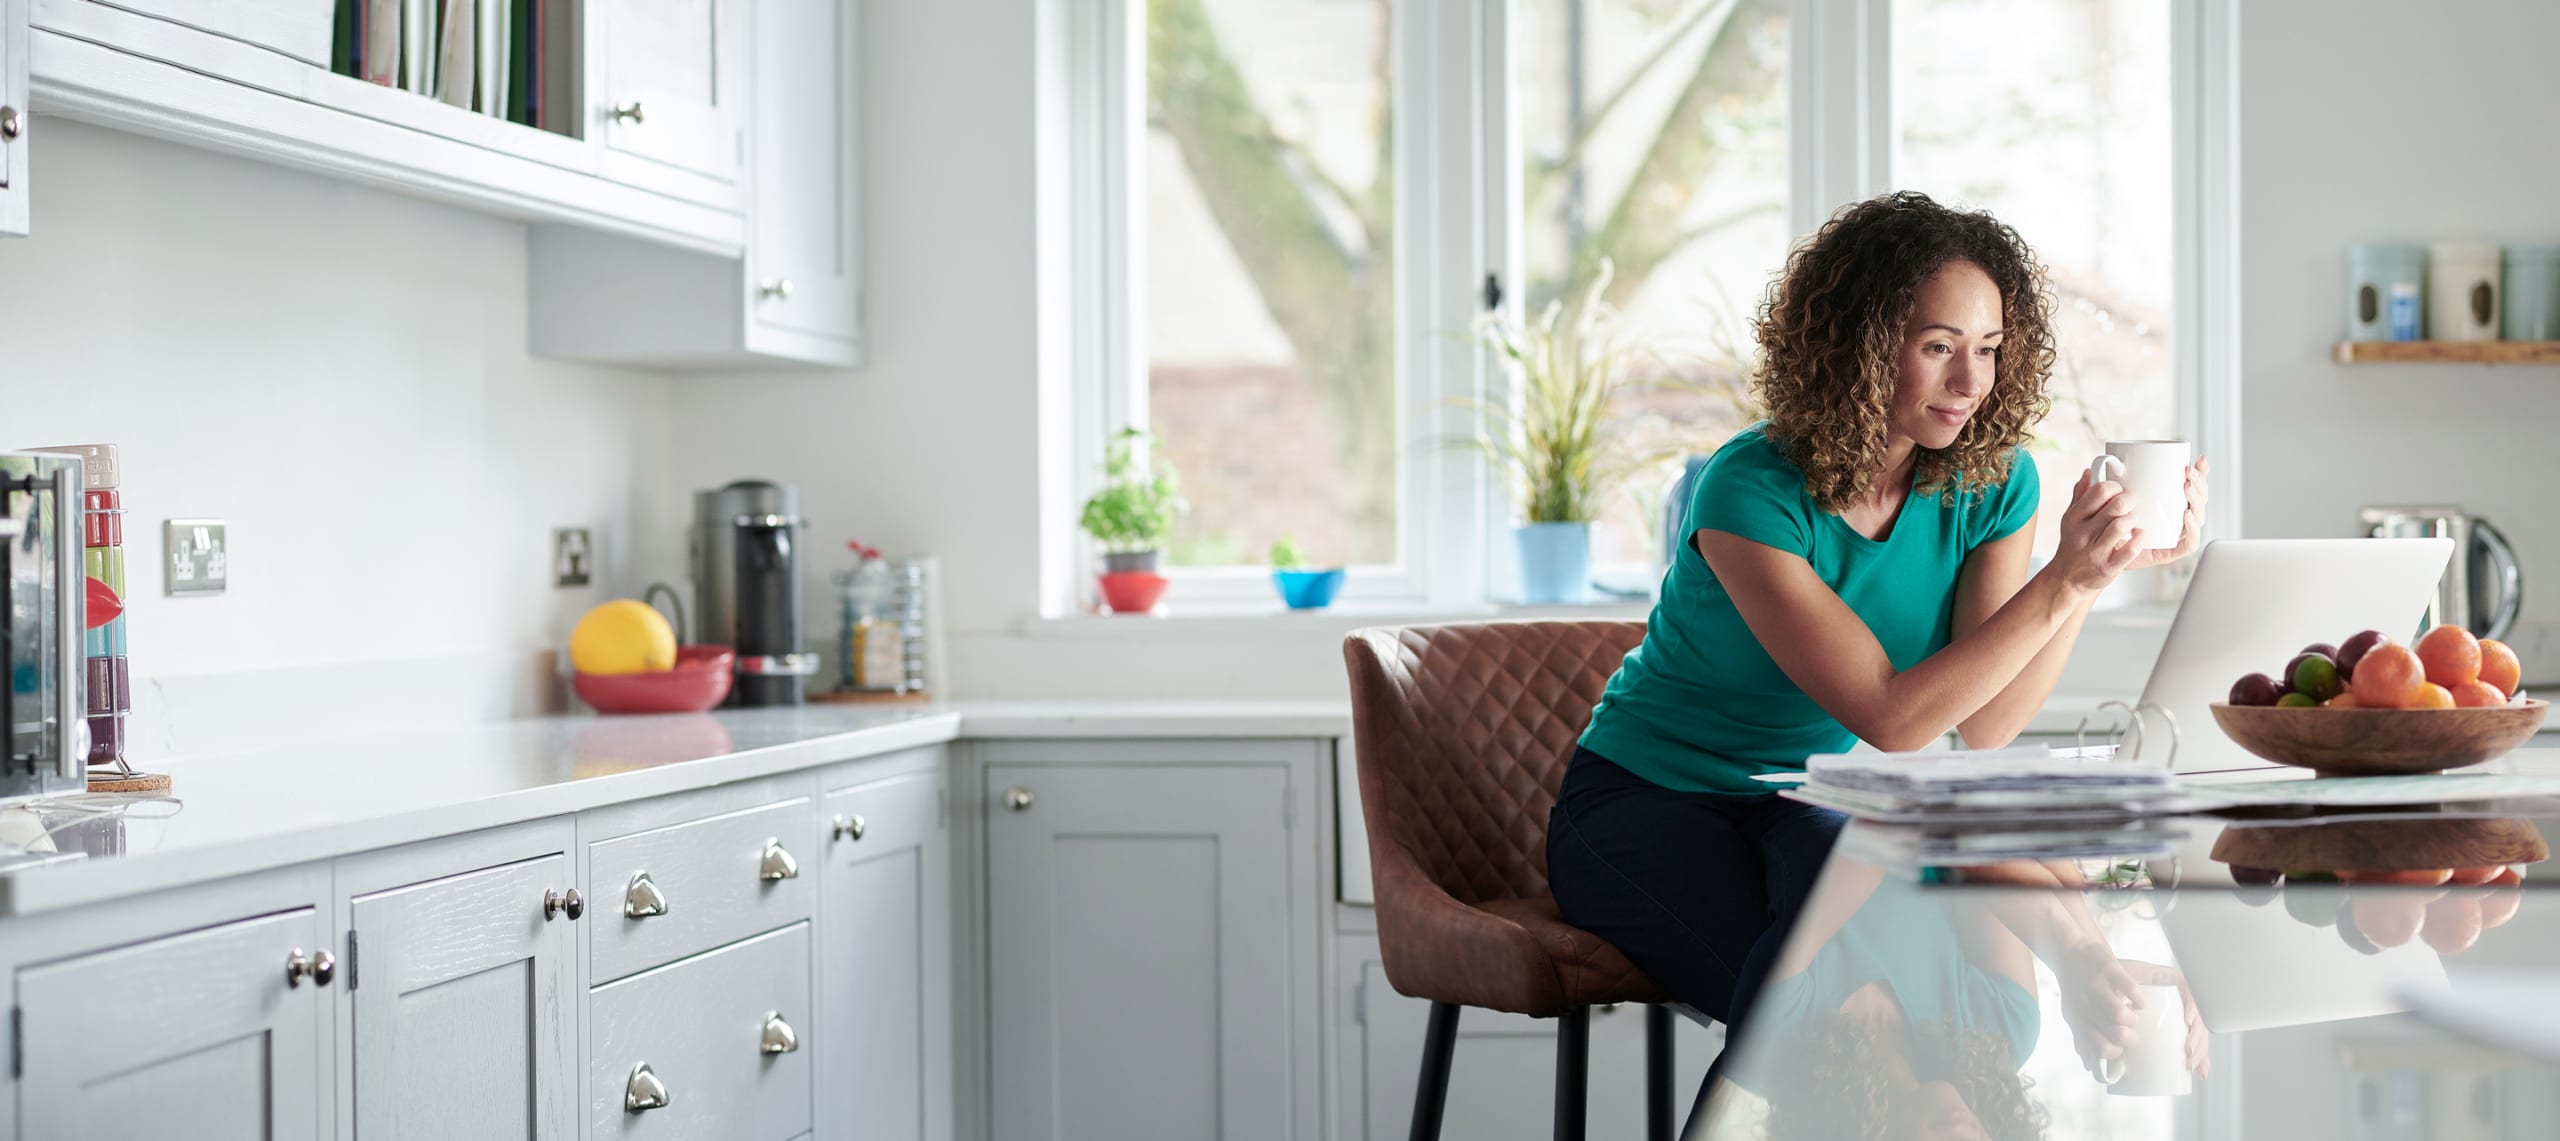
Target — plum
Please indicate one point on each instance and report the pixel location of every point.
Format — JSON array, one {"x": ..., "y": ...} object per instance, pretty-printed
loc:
[
  {"x": 2256, "y": 689},
  {"x": 2355, "y": 648}
]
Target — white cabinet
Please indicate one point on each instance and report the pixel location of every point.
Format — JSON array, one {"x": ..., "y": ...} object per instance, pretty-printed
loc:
[
  {"x": 712, "y": 1048},
  {"x": 13, "y": 117},
  {"x": 204, "y": 1030},
  {"x": 1142, "y": 941},
  {"x": 884, "y": 976},
  {"x": 459, "y": 996},
  {"x": 672, "y": 86},
  {"x": 794, "y": 296}
]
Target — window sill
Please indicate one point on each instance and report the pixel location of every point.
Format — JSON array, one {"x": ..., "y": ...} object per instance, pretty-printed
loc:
[{"x": 1271, "y": 620}]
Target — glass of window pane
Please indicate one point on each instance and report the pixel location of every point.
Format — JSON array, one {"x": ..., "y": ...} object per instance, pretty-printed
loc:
[
  {"x": 2054, "y": 115},
  {"x": 1655, "y": 138},
  {"x": 1271, "y": 378}
]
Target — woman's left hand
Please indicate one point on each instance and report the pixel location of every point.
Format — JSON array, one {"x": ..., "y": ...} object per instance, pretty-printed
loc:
[{"x": 2191, "y": 526}]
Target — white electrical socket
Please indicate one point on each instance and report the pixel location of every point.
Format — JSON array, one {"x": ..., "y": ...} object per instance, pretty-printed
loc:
[{"x": 198, "y": 556}]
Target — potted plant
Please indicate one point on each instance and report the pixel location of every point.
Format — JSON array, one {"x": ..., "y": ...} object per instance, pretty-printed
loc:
[
  {"x": 1130, "y": 516},
  {"x": 1555, "y": 442},
  {"x": 1301, "y": 587}
]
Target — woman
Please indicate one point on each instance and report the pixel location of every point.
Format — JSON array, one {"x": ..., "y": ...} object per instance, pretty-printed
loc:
[{"x": 1857, "y": 569}]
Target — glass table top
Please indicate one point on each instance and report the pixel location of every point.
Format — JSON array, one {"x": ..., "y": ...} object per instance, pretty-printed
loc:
[{"x": 2379, "y": 976}]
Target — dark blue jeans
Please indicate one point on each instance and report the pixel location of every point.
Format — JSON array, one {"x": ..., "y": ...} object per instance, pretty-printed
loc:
[{"x": 1699, "y": 889}]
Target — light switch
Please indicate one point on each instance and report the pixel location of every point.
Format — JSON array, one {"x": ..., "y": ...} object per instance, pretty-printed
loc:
[{"x": 199, "y": 555}]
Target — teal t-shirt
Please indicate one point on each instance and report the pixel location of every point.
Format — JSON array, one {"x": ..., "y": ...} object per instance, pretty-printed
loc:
[{"x": 1700, "y": 706}]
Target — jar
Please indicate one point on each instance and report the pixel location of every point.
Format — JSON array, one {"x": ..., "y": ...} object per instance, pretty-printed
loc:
[
  {"x": 869, "y": 644},
  {"x": 2532, "y": 286},
  {"x": 2385, "y": 291},
  {"x": 2462, "y": 291}
]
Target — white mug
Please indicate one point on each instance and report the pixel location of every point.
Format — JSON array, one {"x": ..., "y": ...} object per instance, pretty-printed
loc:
[
  {"x": 2154, "y": 473},
  {"x": 2156, "y": 1064}
]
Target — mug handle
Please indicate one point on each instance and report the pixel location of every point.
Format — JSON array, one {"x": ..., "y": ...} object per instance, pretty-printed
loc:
[
  {"x": 2110, "y": 1070},
  {"x": 2098, "y": 468}
]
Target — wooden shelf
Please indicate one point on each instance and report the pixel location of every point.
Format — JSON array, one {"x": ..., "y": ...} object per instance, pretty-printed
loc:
[{"x": 2467, "y": 352}]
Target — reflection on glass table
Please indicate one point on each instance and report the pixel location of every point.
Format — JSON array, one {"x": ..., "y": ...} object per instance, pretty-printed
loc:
[{"x": 2260, "y": 980}]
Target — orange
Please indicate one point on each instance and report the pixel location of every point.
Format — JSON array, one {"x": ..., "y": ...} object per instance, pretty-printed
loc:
[
  {"x": 2477, "y": 695},
  {"x": 2499, "y": 667},
  {"x": 2433, "y": 696},
  {"x": 2344, "y": 700},
  {"x": 2388, "y": 678},
  {"x": 2451, "y": 655}
]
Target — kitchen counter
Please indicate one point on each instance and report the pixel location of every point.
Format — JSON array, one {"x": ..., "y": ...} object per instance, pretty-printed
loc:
[{"x": 238, "y": 813}]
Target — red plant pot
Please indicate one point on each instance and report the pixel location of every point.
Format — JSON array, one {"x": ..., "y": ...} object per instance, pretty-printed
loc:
[
  {"x": 1133, "y": 592},
  {"x": 698, "y": 682}
]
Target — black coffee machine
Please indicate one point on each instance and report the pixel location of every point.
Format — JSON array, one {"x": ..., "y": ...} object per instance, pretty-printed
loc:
[{"x": 746, "y": 587}]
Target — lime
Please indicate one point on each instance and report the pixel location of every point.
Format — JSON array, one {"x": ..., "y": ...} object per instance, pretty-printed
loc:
[
  {"x": 2315, "y": 675},
  {"x": 2296, "y": 700}
]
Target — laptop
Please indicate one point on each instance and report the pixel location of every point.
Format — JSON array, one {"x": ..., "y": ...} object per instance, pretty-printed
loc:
[{"x": 2255, "y": 603}]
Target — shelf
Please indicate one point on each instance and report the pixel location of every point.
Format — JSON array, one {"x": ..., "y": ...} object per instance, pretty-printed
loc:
[{"x": 2465, "y": 352}]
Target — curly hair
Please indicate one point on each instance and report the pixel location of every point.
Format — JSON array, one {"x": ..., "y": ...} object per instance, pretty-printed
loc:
[
  {"x": 1839, "y": 1092},
  {"x": 1832, "y": 329}
]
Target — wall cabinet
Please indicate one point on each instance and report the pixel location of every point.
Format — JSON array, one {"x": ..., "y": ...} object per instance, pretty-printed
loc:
[
  {"x": 794, "y": 297},
  {"x": 14, "y": 115},
  {"x": 673, "y": 81},
  {"x": 884, "y": 974},
  {"x": 1141, "y": 941}
]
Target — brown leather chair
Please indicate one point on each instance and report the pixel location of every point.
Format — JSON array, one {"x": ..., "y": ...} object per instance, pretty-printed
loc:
[{"x": 1463, "y": 732}]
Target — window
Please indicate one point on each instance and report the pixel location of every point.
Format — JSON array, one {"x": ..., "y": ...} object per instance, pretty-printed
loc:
[{"x": 1289, "y": 210}]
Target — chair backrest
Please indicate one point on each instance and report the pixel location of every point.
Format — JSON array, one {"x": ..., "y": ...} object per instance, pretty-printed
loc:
[{"x": 1463, "y": 732}]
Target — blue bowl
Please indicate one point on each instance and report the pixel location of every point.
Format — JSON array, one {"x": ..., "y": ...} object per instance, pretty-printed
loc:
[{"x": 1308, "y": 589}]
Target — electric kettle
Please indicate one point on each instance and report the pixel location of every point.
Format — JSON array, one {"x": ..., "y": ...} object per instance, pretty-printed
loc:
[{"x": 2483, "y": 587}]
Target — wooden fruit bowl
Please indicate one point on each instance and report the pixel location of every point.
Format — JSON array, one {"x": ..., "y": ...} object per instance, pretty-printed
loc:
[{"x": 2379, "y": 742}]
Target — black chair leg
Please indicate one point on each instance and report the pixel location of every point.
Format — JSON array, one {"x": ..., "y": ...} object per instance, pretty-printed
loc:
[
  {"x": 1573, "y": 1071},
  {"x": 1439, "y": 1040},
  {"x": 1658, "y": 1046}
]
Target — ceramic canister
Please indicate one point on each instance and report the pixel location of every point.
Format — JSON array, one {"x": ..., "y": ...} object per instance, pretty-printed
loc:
[
  {"x": 2385, "y": 291},
  {"x": 2462, "y": 291},
  {"x": 2532, "y": 287}
]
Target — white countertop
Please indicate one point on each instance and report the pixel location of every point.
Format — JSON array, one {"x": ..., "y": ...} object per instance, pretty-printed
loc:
[{"x": 251, "y": 811}]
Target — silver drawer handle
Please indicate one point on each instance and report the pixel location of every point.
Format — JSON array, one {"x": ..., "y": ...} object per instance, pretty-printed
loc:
[
  {"x": 778, "y": 290},
  {"x": 296, "y": 965},
  {"x": 777, "y": 864},
  {"x": 778, "y": 1038},
  {"x": 850, "y": 827},
  {"x": 554, "y": 903},
  {"x": 9, "y": 126},
  {"x": 644, "y": 1091},
  {"x": 629, "y": 113},
  {"x": 643, "y": 899},
  {"x": 1018, "y": 799}
]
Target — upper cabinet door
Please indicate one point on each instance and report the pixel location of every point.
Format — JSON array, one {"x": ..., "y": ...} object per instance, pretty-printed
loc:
[
  {"x": 13, "y": 117},
  {"x": 803, "y": 258},
  {"x": 203, "y": 1035},
  {"x": 674, "y": 85}
]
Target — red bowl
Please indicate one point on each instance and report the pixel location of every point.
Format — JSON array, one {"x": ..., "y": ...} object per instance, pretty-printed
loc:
[
  {"x": 1133, "y": 592},
  {"x": 698, "y": 682}
]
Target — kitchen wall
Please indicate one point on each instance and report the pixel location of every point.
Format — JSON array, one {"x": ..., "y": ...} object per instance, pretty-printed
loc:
[
  {"x": 2372, "y": 120},
  {"x": 2359, "y": 121},
  {"x": 341, "y": 374}
]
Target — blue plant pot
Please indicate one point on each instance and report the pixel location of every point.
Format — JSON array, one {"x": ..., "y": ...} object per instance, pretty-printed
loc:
[
  {"x": 1555, "y": 562},
  {"x": 1308, "y": 589}
]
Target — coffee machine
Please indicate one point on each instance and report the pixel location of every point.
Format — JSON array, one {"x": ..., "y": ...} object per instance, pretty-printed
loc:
[
  {"x": 746, "y": 583},
  {"x": 44, "y": 729},
  {"x": 2483, "y": 587}
]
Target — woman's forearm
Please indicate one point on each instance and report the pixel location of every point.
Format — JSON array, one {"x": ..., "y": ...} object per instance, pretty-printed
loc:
[
  {"x": 1959, "y": 682},
  {"x": 2006, "y": 715}
]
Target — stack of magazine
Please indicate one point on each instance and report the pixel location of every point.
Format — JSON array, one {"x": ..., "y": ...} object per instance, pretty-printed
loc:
[
  {"x": 1987, "y": 785},
  {"x": 509, "y": 59}
]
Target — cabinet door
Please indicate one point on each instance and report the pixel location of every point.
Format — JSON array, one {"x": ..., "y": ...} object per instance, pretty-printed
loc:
[
  {"x": 801, "y": 251},
  {"x": 675, "y": 84},
  {"x": 464, "y": 1022},
  {"x": 13, "y": 117},
  {"x": 885, "y": 981},
  {"x": 1138, "y": 951},
  {"x": 203, "y": 1029}
]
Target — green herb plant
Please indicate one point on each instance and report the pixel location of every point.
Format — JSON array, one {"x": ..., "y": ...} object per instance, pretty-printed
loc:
[
  {"x": 1135, "y": 508},
  {"x": 1285, "y": 554}
]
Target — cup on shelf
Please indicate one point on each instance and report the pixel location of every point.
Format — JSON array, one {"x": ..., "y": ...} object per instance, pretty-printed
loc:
[
  {"x": 2462, "y": 291},
  {"x": 2386, "y": 291},
  {"x": 2532, "y": 293}
]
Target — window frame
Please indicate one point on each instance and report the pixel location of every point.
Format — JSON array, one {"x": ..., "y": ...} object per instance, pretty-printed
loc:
[{"x": 1459, "y": 185}]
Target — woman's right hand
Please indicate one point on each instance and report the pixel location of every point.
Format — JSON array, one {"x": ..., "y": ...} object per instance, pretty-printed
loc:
[{"x": 2099, "y": 539}]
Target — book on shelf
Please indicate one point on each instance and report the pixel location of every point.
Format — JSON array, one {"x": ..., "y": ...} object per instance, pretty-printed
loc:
[{"x": 507, "y": 59}]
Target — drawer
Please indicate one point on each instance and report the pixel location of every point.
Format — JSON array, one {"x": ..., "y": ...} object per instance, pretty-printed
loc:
[
  {"x": 709, "y": 878},
  {"x": 700, "y": 1026}
]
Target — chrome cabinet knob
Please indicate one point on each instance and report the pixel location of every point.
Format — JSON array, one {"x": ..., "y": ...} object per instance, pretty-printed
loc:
[
  {"x": 10, "y": 128},
  {"x": 296, "y": 966},
  {"x": 778, "y": 289},
  {"x": 778, "y": 1037},
  {"x": 643, "y": 1091},
  {"x": 850, "y": 827},
  {"x": 554, "y": 903},
  {"x": 1018, "y": 799},
  {"x": 324, "y": 967},
  {"x": 643, "y": 899},
  {"x": 777, "y": 864},
  {"x": 629, "y": 113}
]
